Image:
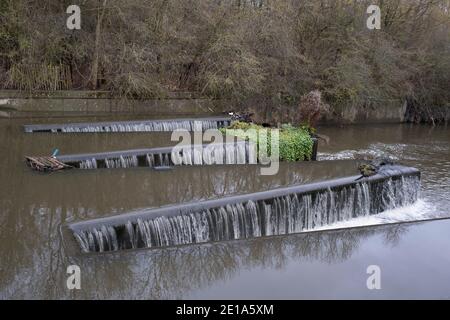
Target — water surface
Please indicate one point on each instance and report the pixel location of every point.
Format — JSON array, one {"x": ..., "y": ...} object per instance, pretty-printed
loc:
[{"x": 327, "y": 264}]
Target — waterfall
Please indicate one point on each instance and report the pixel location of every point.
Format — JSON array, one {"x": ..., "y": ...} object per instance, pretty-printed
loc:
[
  {"x": 122, "y": 162},
  {"x": 286, "y": 214},
  {"x": 118, "y": 162},
  {"x": 88, "y": 164},
  {"x": 241, "y": 152},
  {"x": 133, "y": 126},
  {"x": 101, "y": 240},
  {"x": 218, "y": 153}
]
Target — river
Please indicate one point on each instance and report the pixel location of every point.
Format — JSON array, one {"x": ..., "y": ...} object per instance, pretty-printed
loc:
[{"x": 34, "y": 252}]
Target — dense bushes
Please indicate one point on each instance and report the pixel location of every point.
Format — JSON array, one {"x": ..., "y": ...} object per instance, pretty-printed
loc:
[
  {"x": 273, "y": 50},
  {"x": 295, "y": 143}
]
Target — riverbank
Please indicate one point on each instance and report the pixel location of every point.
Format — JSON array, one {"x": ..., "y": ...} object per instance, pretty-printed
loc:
[{"x": 42, "y": 104}]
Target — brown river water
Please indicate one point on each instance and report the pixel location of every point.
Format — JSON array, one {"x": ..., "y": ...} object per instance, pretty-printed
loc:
[{"x": 34, "y": 208}]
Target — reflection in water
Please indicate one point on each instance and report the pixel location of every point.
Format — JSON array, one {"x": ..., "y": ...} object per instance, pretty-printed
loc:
[{"x": 174, "y": 273}]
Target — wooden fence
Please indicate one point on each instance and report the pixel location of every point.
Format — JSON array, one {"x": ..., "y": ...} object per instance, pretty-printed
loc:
[{"x": 45, "y": 77}]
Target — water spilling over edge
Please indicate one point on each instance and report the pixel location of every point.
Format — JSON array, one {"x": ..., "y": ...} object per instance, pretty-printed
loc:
[
  {"x": 241, "y": 152},
  {"x": 285, "y": 214},
  {"x": 164, "y": 125}
]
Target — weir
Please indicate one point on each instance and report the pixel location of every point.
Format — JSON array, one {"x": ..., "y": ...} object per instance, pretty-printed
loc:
[
  {"x": 162, "y": 125},
  {"x": 237, "y": 152},
  {"x": 275, "y": 212}
]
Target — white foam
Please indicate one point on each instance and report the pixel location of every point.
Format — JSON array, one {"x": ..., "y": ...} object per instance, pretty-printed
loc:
[
  {"x": 375, "y": 150},
  {"x": 420, "y": 210}
]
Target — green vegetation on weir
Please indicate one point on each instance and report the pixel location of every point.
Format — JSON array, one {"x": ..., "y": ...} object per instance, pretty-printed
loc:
[{"x": 295, "y": 143}]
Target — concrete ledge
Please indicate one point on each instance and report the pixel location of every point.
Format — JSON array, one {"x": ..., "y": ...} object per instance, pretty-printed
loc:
[
  {"x": 76, "y": 103},
  {"x": 120, "y": 220},
  {"x": 86, "y": 94},
  {"x": 154, "y": 125}
]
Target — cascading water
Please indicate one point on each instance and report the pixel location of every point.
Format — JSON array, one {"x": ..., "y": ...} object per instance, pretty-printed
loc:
[
  {"x": 228, "y": 153},
  {"x": 290, "y": 213},
  {"x": 133, "y": 126},
  {"x": 88, "y": 164},
  {"x": 141, "y": 127},
  {"x": 122, "y": 162},
  {"x": 240, "y": 152}
]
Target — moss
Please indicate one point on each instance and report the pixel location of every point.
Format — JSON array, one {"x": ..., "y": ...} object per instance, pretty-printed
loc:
[{"x": 295, "y": 143}]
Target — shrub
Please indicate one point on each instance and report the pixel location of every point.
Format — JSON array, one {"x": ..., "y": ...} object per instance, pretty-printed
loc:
[
  {"x": 312, "y": 107},
  {"x": 295, "y": 143}
]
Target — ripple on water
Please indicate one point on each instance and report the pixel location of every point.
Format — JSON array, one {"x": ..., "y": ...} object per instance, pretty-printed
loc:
[{"x": 395, "y": 151}]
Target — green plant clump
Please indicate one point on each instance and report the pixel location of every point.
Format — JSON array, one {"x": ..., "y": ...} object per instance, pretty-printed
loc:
[{"x": 295, "y": 143}]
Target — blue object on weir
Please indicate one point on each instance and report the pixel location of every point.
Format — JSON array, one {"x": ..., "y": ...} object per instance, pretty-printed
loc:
[{"x": 55, "y": 152}]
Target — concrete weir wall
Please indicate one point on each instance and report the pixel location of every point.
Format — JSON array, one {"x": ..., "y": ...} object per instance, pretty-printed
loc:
[
  {"x": 278, "y": 211},
  {"x": 391, "y": 111},
  {"x": 84, "y": 103},
  {"x": 117, "y": 220},
  {"x": 386, "y": 111},
  {"x": 74, "y": 103}
]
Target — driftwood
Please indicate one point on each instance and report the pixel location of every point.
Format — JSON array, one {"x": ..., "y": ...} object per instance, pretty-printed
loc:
[{"x": 46, "y": 164}]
